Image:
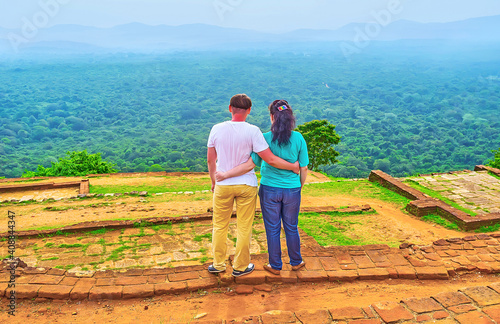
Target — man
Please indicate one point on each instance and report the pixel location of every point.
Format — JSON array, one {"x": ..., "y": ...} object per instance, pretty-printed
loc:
[{"x": 230, "y": 144}]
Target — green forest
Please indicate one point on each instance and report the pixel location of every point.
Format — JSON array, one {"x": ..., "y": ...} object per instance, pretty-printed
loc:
[{"x": 401, "y": 108}]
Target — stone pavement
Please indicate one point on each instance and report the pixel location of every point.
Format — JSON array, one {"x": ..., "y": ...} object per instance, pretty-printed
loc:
[
  {"x": 473, "y": 305},
  {"x": 476, "y": 191},
  {"x": 479, "y": 253}
]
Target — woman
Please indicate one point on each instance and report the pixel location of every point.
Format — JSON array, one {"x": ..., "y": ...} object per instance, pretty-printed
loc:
[{"x": 280, "y": 190}]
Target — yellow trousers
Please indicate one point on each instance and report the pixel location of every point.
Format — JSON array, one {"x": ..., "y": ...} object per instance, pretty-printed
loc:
[{"x": 224, "y": 198}]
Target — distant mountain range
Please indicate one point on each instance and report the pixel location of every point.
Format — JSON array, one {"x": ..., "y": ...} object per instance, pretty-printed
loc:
[{"x": 136, "y": 36}]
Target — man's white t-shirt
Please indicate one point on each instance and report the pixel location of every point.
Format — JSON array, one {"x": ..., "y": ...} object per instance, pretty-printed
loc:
[{"x": 234, "y": 142}]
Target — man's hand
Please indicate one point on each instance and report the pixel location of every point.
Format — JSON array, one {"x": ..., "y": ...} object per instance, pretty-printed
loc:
[
  {"x": 220, "y": 176},
  {"x": 296, "y": 169},
  {"x": 213, "y": 186}
]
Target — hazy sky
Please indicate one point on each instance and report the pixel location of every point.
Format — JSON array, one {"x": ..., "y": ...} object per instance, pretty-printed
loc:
[{"x": 263, "y": 15}]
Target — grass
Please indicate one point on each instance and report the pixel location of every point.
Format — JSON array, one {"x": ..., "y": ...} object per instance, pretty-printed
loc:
[
  {"x": 493, "y": 175},
  {"x": 99, "y": 231},
  {"x": 440, "y": 221},
  {"x": 331, "y": 228},
  {"x": 437, "y": 195},
  {"x": 63, "y": 208},
  {"x": 198, "y": 238},
  {"x": 488, "y": 229},
  {"x": 69, "y": 246},
  {"x": 117, "y": 253},
  {"x": 171, "y": 184},
  {"x": 361, "y": 189},
  {"x": 50, "y": 259}
]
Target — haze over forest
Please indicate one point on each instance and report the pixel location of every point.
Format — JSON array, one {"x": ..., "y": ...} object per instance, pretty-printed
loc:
[{"x": 406, "y": 98}]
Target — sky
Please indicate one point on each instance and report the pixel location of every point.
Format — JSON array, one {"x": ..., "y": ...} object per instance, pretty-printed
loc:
[{"x": 274, "y": 16}]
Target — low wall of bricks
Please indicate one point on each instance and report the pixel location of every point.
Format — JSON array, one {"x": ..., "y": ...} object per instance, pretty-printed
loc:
[
  {"x": 439, "y": 261},
  {"x": 487, "y": 168},
  {"x": 147, "y": 174},
  {"x": 395, "y": 185},
  {"x": 424, "y": 205},
  {"x": 82, "y": 185},
  {"x": 471, "y": 305}
]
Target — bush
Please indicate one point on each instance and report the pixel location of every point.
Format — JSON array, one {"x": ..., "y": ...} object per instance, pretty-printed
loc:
[{"x": 75, "y": 164}]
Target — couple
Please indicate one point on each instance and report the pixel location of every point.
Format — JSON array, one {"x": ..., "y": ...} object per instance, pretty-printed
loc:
[{"x": 234, "y": 148}]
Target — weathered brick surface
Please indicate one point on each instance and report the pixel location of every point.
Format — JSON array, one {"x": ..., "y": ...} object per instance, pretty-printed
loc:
[
  {"x": 104, "y": 274},
  {"x": 46, "y": 280},
  {"x": 422, "y": 305},
  {"x": 313, "y": 316},
  {"x": 373, "y": 274},
  {"x": 440, "y": 315},
  {"x": 312, "y": 276},
  {"x": 342, "y": 275},
  {"x": 392, "y": 312},
  {"x": 483, "y": 296},
  {"x": 474, "y": 317},
  {"x": 462, "y": 308},
  {"x": 405, "y": 272},
  {"x": 170, "y": 288},
  {"x": 243, "y": 289},
  {"x": 346, "y": 313},
  {"x": 27, "y": 291},
  {"x": 106, "y": 292},
  {"x": 158, "y": 271},
  {"x": 363, "y": 262},
  {"x": 69, "y": 281},
  {"x": 130, "y": 272},
  {"x": 205, "y": 283},
  {"x": 453, "y": 298},
  {"x": 138, "y": 291},
  {"x": 128, "y": 281},
  {"x": 329, "y": 263},
  {"x": 3, "y": 288},
  {"x": 56, "y": 272},
  {"x": 284, "y": 276},
  {"x": 430, "y": 273},
  {"x": 80, "y": 292},
  {"x": 55, "y": 292},
  {"x": 157, "y": 279},
  {"x": 182, "y": 276},
  {"x": 105, "y": 282},
  {"x": 313, "y": 263},
  {"x": 493, "y": 312},
  {"x": 257, "y": 277},
  {"x": 277, "y": 316}
]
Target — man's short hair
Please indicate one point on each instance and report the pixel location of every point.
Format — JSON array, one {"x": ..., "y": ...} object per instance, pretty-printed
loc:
[{"x": 241, "y": 101}]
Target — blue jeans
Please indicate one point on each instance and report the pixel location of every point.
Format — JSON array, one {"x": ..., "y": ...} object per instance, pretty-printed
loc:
[{"x": 281, "y": 205}]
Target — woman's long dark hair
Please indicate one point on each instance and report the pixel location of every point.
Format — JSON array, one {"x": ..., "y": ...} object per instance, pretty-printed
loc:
[{"x": 284, "y": 121}]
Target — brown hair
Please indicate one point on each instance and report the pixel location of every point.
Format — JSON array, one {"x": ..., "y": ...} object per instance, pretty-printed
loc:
[
  {"x": 284, "y": 121},
  {"x": 241, "y": 101}
]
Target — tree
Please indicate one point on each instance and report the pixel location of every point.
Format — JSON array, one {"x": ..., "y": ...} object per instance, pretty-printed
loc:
[
  {"x": 75, "y": 164},
  {"x": 495, "y": 163},
  {"x": 320, "y": 137}
]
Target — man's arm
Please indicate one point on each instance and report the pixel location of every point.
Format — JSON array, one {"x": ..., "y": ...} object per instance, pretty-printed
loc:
[
  {"x": 278, "y": 162},
  {"x": 212, "y": 166}
]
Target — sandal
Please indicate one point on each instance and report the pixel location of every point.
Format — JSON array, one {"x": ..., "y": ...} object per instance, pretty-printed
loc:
[
  {"x": 298, "y": 266},
  {"x": 267, "y": 267}
]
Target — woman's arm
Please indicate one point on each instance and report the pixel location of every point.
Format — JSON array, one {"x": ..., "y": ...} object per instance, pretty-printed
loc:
[
  {"x": 303, "y": 176},
  {"x": 277, "y": 162},
  {"x": 236, "y": 171}
]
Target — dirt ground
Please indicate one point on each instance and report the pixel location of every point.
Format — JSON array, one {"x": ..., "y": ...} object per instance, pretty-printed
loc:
[
  {"x": 224, "y": 304},
  {"x": 390, "y": 224}
]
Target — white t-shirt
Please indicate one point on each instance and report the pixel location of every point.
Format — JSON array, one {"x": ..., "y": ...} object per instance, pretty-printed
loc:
[{"x": 234, "y": 142}]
